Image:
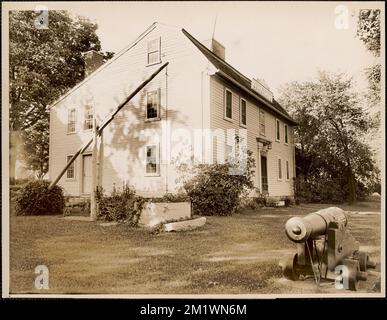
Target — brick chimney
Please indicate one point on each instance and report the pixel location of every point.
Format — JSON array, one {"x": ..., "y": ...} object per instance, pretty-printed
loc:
[
  {"x": 93, "y": 60},
  {"x": 216, "y": 47}
]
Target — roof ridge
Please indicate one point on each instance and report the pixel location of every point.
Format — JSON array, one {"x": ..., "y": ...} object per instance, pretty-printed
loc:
[{"x": 215, "y": 55}]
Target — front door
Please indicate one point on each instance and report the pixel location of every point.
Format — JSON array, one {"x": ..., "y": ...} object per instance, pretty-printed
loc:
[
  {"x": 265, "y": 185},
  {"x": 87, "y": 172}
]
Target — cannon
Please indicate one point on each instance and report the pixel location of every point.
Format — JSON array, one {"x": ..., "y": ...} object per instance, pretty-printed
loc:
[{"x": 325, "y": 250}]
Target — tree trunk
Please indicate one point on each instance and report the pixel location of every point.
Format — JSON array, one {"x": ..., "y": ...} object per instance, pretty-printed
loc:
[{"x": 351, "y": 186}]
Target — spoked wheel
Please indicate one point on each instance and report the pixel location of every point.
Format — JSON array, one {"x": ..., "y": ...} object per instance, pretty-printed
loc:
[
  {"x": 363, "y": 260},
  {"x": 289, "y": 265}
]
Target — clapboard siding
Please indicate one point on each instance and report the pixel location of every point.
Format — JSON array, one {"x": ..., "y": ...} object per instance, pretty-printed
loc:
[
  {"x": 124, "y": 147},
  {"x": 191, "y": 98},
  {"x": 279, "y": 149}
]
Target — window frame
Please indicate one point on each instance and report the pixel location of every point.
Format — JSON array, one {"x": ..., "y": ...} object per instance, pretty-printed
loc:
[
  {"x": 225, "y": 105},
  {"x": 158, "y": 95},
  {"x": 277, "y": 130},
  {"x": 157, "y": 151},
  {"x": 287, "y": 169},
  {"x": 226, "y": 154},
  {"x": 279, "y": 168},
  {"x": 286, "y": 134},
  {"x": 75, "y": 120},
  {"x": 261, "y": 112},
  {"x": 68, "y": 158},
  {"x": 154, "y": 51},
  {"x": 244, "y": 125},
  {"x": 87, "y": 120}
]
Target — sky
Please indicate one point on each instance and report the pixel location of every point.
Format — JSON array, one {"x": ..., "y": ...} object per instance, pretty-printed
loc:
[
  {"x": 279, "y": 42},
  {"x": 275, "y": 41}
]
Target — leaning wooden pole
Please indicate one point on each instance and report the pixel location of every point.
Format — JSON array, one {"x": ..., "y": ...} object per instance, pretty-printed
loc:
[
  {"x": 105, "y": 123},
  {"x": 93, "y": 206}
]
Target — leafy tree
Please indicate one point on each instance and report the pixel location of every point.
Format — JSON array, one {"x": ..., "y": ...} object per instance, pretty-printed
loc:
[
  {"x": 332, "y": 124},
  {"x": 368, "y": 29},
  {"x": 44, "y": 63}
]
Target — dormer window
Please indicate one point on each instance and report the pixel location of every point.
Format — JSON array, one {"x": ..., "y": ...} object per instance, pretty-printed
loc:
[
  {"x": 88, "y": 123},
  {"x": 154, "y": 52}
]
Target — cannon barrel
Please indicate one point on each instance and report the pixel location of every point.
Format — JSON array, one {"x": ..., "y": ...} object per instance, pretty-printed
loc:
[{"x": 313, "y": 225}]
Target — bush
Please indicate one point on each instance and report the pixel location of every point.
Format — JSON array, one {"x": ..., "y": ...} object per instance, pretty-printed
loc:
[
  {"x": 216, "y": 189},
  {"x": 35, "y": 199},
  {"x": 122, "y": 205},
  {"x": 171, "y": 197}
]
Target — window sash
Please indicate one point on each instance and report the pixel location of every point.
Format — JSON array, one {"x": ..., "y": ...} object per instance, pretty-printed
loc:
[
  {"x": 153, "y": 53},
  {"x": 152, "y": 165},
  {"x": 228, "y": 104},
  {"x": 278, "y": 131},
  {"x": 70, "y": 173},
  {"x": 153, "y": 104},
  {"x": 228, "y": 152},
  {"x": 279, "y": 169},
  {"x": 262, "y": 122},
  {"x": 89, "y": 117},
  {"x": 243, "y": 112},
  {"x": 287, "y": 170},
  {"x": 286, "y": 133},
  {"x": 71, "y": 121}
]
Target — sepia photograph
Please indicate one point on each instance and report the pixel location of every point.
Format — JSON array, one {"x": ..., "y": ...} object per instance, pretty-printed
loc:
[{"x": 193, "y": 149}]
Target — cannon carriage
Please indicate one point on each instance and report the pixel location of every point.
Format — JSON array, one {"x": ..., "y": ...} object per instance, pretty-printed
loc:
[{"x": 325, "y": 250}]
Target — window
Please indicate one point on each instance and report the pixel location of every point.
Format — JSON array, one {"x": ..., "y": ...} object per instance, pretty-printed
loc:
[
  {"x": 88, "y": 124},
  {"x": 154, "y": 51},
  {"x": 277, "y": 130},
  {"x": 279, "y": 169},
  {"x": 286, "y": 133},
  {"x": 153, "y": 104},
  {"x": 228, "y": 105},
  {"x": 243, "y": 112},
  {"x": 71, "y": 168},
  {"x": 261, "y": 122},
  {"x": 287, "y": 170},
  {"x": 71, "y": 121},
  {"x": 228, "y": 154},
  {"x": 152, "y": 165}
]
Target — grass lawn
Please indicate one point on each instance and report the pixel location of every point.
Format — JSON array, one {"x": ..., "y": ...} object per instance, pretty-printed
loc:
[{"x": 229, "y": 255}]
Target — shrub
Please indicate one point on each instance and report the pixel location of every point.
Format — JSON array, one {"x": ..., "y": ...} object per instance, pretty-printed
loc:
[
  {"x": 35, "y": 199},
  {"x": 217, "y": 189},
  {"x": 122, "y": 205},
  {"x": 171, "y": 197}
]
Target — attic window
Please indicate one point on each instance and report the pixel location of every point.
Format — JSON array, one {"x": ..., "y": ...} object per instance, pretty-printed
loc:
[{"x": 154, "y": 54}]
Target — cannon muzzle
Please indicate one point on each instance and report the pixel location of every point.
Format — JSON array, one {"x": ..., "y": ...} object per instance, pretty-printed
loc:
[{"x": 314, "y": 225}]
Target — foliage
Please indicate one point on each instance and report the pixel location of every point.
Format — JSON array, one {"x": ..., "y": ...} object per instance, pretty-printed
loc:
[
  {"x": 329, "y": 138},
  {"x": 368, "y": 29},
  {"x": 171, "y": 197},
  {"x": 122, "y": 205},
  {"x": 215, "y": 189},
  {"x": 35, "y": 199},
  {"x": 43, "y": 64}
]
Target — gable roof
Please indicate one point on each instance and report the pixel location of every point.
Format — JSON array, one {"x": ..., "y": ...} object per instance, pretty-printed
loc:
[
  {"x": 104, "y": 65},
  {"x": 238, "y": 78}
]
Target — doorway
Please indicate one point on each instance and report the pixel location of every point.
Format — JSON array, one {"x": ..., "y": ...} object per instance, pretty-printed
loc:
[{"x": 86, "y": 173}]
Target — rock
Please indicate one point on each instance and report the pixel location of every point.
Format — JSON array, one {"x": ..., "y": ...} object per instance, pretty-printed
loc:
[{"x": 185, "y": 225}]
